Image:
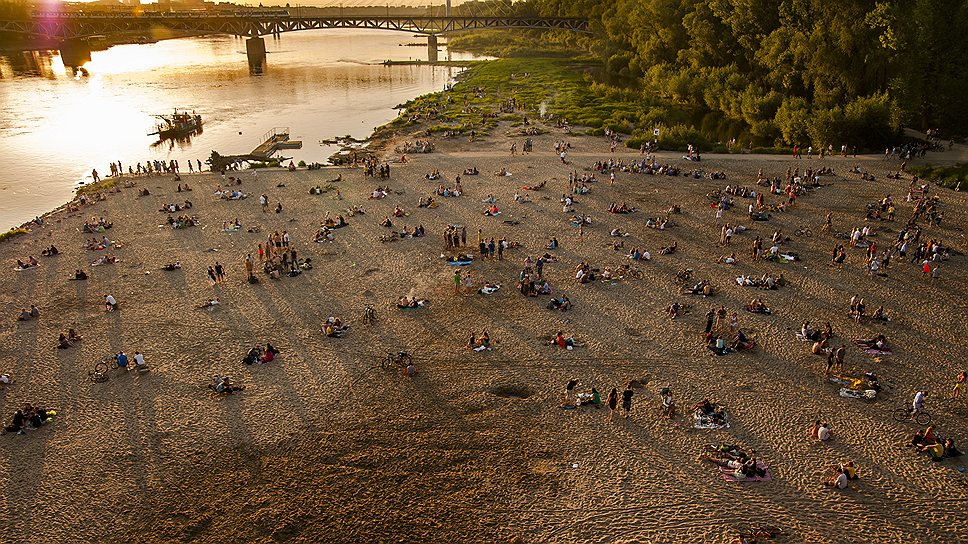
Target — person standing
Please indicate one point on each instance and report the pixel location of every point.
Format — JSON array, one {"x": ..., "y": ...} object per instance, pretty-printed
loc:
[
  {"x": 219, "y": 272},
  {"x": 627, "y": 400},
  {"x": 463, "y": 236},
  {"x": 612, "y": 403},
  {"x": 249, "y": 265},
  {"x": 457, "y": 282},
  {"x": 710, "y": 315},
  {"x": 959, "y": 384}
]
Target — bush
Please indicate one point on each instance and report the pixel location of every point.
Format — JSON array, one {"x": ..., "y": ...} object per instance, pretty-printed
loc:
[
  {"x": 301, "y": 164},
  {"x": 12, "y": 233},
  {"x": 103, "y": 185}
]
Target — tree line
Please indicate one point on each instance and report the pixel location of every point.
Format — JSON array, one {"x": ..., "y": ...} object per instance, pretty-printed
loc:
[{"x": 785, "y": 71}]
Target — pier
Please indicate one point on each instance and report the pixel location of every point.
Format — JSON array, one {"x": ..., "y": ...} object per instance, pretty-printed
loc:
[{"x": 272, "y": 141}]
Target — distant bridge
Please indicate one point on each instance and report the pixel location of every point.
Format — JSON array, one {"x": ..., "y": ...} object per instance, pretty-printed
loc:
[
  {"x": 76, "y": 25},
  {"x": 72, "y": 28}
]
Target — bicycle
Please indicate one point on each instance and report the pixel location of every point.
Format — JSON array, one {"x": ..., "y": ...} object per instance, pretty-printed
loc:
[
  {"x": 907, "y": 413},
  {"x": 630, "y": 271},
  {"x": 392, "y": 360},
  {"x": 99, "y": 373},
  {"x": 369, "y": 315},
  {"x": 748, "y": 535},
  {"x": 806, "y": 231}
]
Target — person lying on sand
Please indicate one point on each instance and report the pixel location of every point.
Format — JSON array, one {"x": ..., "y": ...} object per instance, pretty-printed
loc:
[
  {"x": 480, "y": 344},
  {"x": 172, "y": 266},
  {"x": 223, "y": 385},
  {"x": 209, "y": 303},
  {"x": 669, "y": 250}
]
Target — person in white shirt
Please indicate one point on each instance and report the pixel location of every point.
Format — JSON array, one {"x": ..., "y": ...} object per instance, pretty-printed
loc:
[
  {"x": 823, "y": 433},
  {"x": 839, "y": 482},
  {"x": 918, "y": 401},
  {"x": 110, "y": 303},
  {"x": 139, "y": 359}
]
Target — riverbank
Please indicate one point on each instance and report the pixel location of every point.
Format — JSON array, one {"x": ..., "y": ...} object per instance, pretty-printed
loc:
[{"x": 475, "y": 447}]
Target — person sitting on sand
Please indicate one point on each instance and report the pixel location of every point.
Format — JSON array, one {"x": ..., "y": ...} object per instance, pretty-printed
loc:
[
  {"x": 808, "y": 332},
  {"x": 562, "y": 342},
  {"x": 561, "y": 303},
  {"x": 552, "y": 244},
  {"x": 50, "y": 252},
  {"x": 823, "y": 432},
  {"x": 820, "y": 347},
  {"x": 839, "y": 481},
  {"x": 668, "y": 403},
  {"x": 79, "y": 275},
  {"x": 63, "y": 342},
  {"x": 334, "y": 328},
  {"x": 110, "y": 303},
  {"x": 386, "y": 222},
  {"x": 674, "y": 310}
]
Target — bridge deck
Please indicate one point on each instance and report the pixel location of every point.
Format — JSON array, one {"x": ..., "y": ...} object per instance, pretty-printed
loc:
[{"x": 73, "y": 25}]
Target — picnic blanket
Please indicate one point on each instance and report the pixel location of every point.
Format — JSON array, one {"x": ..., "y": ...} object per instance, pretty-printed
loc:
[
  {"x": 705, "y": 422},
  {"x": 862, "y": 344},
  {"x": 488, "y": 290},
  {"x": 730, "y": 477},
  {"x": 459, "y": 263}
]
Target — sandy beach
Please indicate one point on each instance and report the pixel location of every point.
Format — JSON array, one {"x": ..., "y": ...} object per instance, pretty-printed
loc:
[{"x": 324, "y": 445}]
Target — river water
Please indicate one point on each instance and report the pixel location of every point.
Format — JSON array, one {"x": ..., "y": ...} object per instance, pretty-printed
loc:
[{"x": 56, "y": 127}]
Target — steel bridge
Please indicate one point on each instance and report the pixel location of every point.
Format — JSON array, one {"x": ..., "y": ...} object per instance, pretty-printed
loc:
[
  {"x": 73, "y": 28},
  {"x": 77, "y": 25}
]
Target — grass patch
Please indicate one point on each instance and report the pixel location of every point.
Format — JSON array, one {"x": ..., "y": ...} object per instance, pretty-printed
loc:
[
  {"x": 951, "y": 177},
  {"x": 12, "y": 233},
  {"x": 103, "y": 185},
  {"x": 561, "y": 88}
]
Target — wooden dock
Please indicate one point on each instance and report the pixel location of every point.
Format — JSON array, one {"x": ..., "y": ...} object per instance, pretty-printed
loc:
[{"x": 274, "y": 140}]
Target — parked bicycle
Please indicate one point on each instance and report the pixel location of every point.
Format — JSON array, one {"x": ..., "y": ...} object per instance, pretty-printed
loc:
[
  {"x": 806, "y": 232},
  {"x": 906, "y": 413},
  {"x": 629, "y": 271},
  {"x": 391, "y": 360},
  {"x": 750, "y": 534}
]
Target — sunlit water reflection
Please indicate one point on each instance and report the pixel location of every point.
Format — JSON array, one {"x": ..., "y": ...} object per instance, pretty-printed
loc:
[{"x": 55, "y": 126}]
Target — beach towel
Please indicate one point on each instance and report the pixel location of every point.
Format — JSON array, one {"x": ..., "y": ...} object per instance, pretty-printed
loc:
[
  {"x": 865, "y": 394},
  {"x": 704, "y": 422},
  {"x": 488, "y": 290},
  {"x": 764, "y": 311},
  {"x": 459, "y": 263},
  {"x": 729, "y": 477}
]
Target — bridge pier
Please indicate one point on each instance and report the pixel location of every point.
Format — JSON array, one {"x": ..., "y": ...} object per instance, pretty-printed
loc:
[
  {"x": 432, "y": 48},
  {"x": 75, "y": 53},
  {"x": 255, "y": 50}
]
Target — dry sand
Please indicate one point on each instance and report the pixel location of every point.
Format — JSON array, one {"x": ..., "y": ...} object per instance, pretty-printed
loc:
[{"x": 324, "y": 446}]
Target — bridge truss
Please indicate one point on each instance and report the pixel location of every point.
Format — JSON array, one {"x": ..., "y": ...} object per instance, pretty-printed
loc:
[{"x": 72, "y": 26}]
